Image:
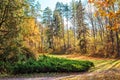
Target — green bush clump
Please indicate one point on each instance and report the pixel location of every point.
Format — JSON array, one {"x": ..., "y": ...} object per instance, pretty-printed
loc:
[
  {"x": 51, "y": 64},
  {"x": 2, "y": 67},
  {"x": 5, "y": 67}
]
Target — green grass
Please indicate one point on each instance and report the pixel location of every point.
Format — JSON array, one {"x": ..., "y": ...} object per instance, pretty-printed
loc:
[{"x": 102, "y": 65}]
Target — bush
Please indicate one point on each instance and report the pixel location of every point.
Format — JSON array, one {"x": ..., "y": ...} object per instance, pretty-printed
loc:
[
  {"x": 5, "y": 67},
  {"x": 51, "y": 64},
  {"x": 2, "y": 67}
]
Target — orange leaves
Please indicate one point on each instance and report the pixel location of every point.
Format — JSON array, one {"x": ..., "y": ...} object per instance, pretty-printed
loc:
[
  {"x": 108, "y": 27},
  {"x": 102, "y": 12},
  {"x": 102, "y": 3},
  {"x": 108, "y": 3},
  {"x": 90, "y": 1},
  {"x": 111, "y": 15},
  {"x": 114, "y": 27},
  {"x": 114, "y": 21},
  {"x": 105, "y": 11}
]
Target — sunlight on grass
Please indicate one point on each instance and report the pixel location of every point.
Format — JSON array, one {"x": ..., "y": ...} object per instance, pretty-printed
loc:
[{"x": 100, "y": 64}]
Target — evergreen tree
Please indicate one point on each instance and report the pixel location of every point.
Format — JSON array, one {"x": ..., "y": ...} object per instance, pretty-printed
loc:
[
  {"x": 74, "y": 18},
  {"x": 67, "y": 14},
  {"x": 47, "y": 21},
  {"x": 81, "y": 28},
  {"x": 58, "y": 23}
]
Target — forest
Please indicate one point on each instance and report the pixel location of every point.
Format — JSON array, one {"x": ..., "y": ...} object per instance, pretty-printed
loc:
[{"x": 74, "y": 37}]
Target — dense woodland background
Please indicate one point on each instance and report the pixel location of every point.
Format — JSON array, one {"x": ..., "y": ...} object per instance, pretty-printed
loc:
[{"x": 27, "y": 31}]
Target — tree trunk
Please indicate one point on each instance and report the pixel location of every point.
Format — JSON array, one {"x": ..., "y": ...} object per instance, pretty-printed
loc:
[{"x": 117, "y": 44}]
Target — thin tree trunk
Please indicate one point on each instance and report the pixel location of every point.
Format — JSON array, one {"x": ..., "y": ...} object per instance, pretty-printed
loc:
[
  {"x": 118, "y": 50},
  {"x": 68, "y": 41}
]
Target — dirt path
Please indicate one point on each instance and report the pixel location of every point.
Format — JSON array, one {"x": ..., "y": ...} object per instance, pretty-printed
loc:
[
  {"x": 40, "y": 78},
  {"x": 112, "y": 74},
  {"x": 45, "y": 76}
]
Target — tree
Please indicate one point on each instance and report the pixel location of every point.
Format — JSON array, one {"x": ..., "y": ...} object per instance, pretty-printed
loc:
[
  {"x": 111, "y": 15},
  {"x": 33, "y": 9},
  {"x": 74, "y": 18},
  {"x": 92, "y": 23},
  {"x": 47, "y": 21},
  {"x": 60, "y": 8},
  {"x": 11, "y": 17},
  {"x": 31, "y": 35},
  {"x": 67, "y": 16},
  {"x": 58, "y": 23},
  {"x": 81, "y": 28}
]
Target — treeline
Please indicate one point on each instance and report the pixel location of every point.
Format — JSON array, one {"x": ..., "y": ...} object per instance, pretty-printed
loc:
[
  {"x": 64, "y": 28},
  {"x": 91, "y": 29}
]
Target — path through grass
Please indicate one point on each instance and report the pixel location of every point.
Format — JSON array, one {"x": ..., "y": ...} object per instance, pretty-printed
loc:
[
  {"x": 100, "y": 63},
  {"x": 102, "y": 70}
]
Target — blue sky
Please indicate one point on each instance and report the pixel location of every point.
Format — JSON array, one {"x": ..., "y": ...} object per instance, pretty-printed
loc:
[{"x": 51, "y": 3}]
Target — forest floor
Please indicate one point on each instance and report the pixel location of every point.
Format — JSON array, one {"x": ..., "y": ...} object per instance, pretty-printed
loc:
[{"x": 105, "y": 69}]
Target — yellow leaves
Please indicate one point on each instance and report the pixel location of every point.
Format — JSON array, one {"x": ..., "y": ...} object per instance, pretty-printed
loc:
[
  {"x": 111, "y": 15},
  {"x": 100, "y": 12},
  {"x": 96, "y": 14},
  {"x": 32, "y": 36},
  {"x": 112, "y": 1},
  {"x": 98, "y": 3},
  {"x": 107, "y": 0}
]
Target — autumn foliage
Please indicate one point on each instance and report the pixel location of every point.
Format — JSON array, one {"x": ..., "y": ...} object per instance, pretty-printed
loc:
[{"x": 106, "y": 9}]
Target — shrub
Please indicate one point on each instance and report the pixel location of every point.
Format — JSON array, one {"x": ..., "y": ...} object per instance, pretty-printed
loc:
[
  {"x": 5, "y": 67},
  {"x": 2, "y": 67},
  {"x": 51, "y": 64}
]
